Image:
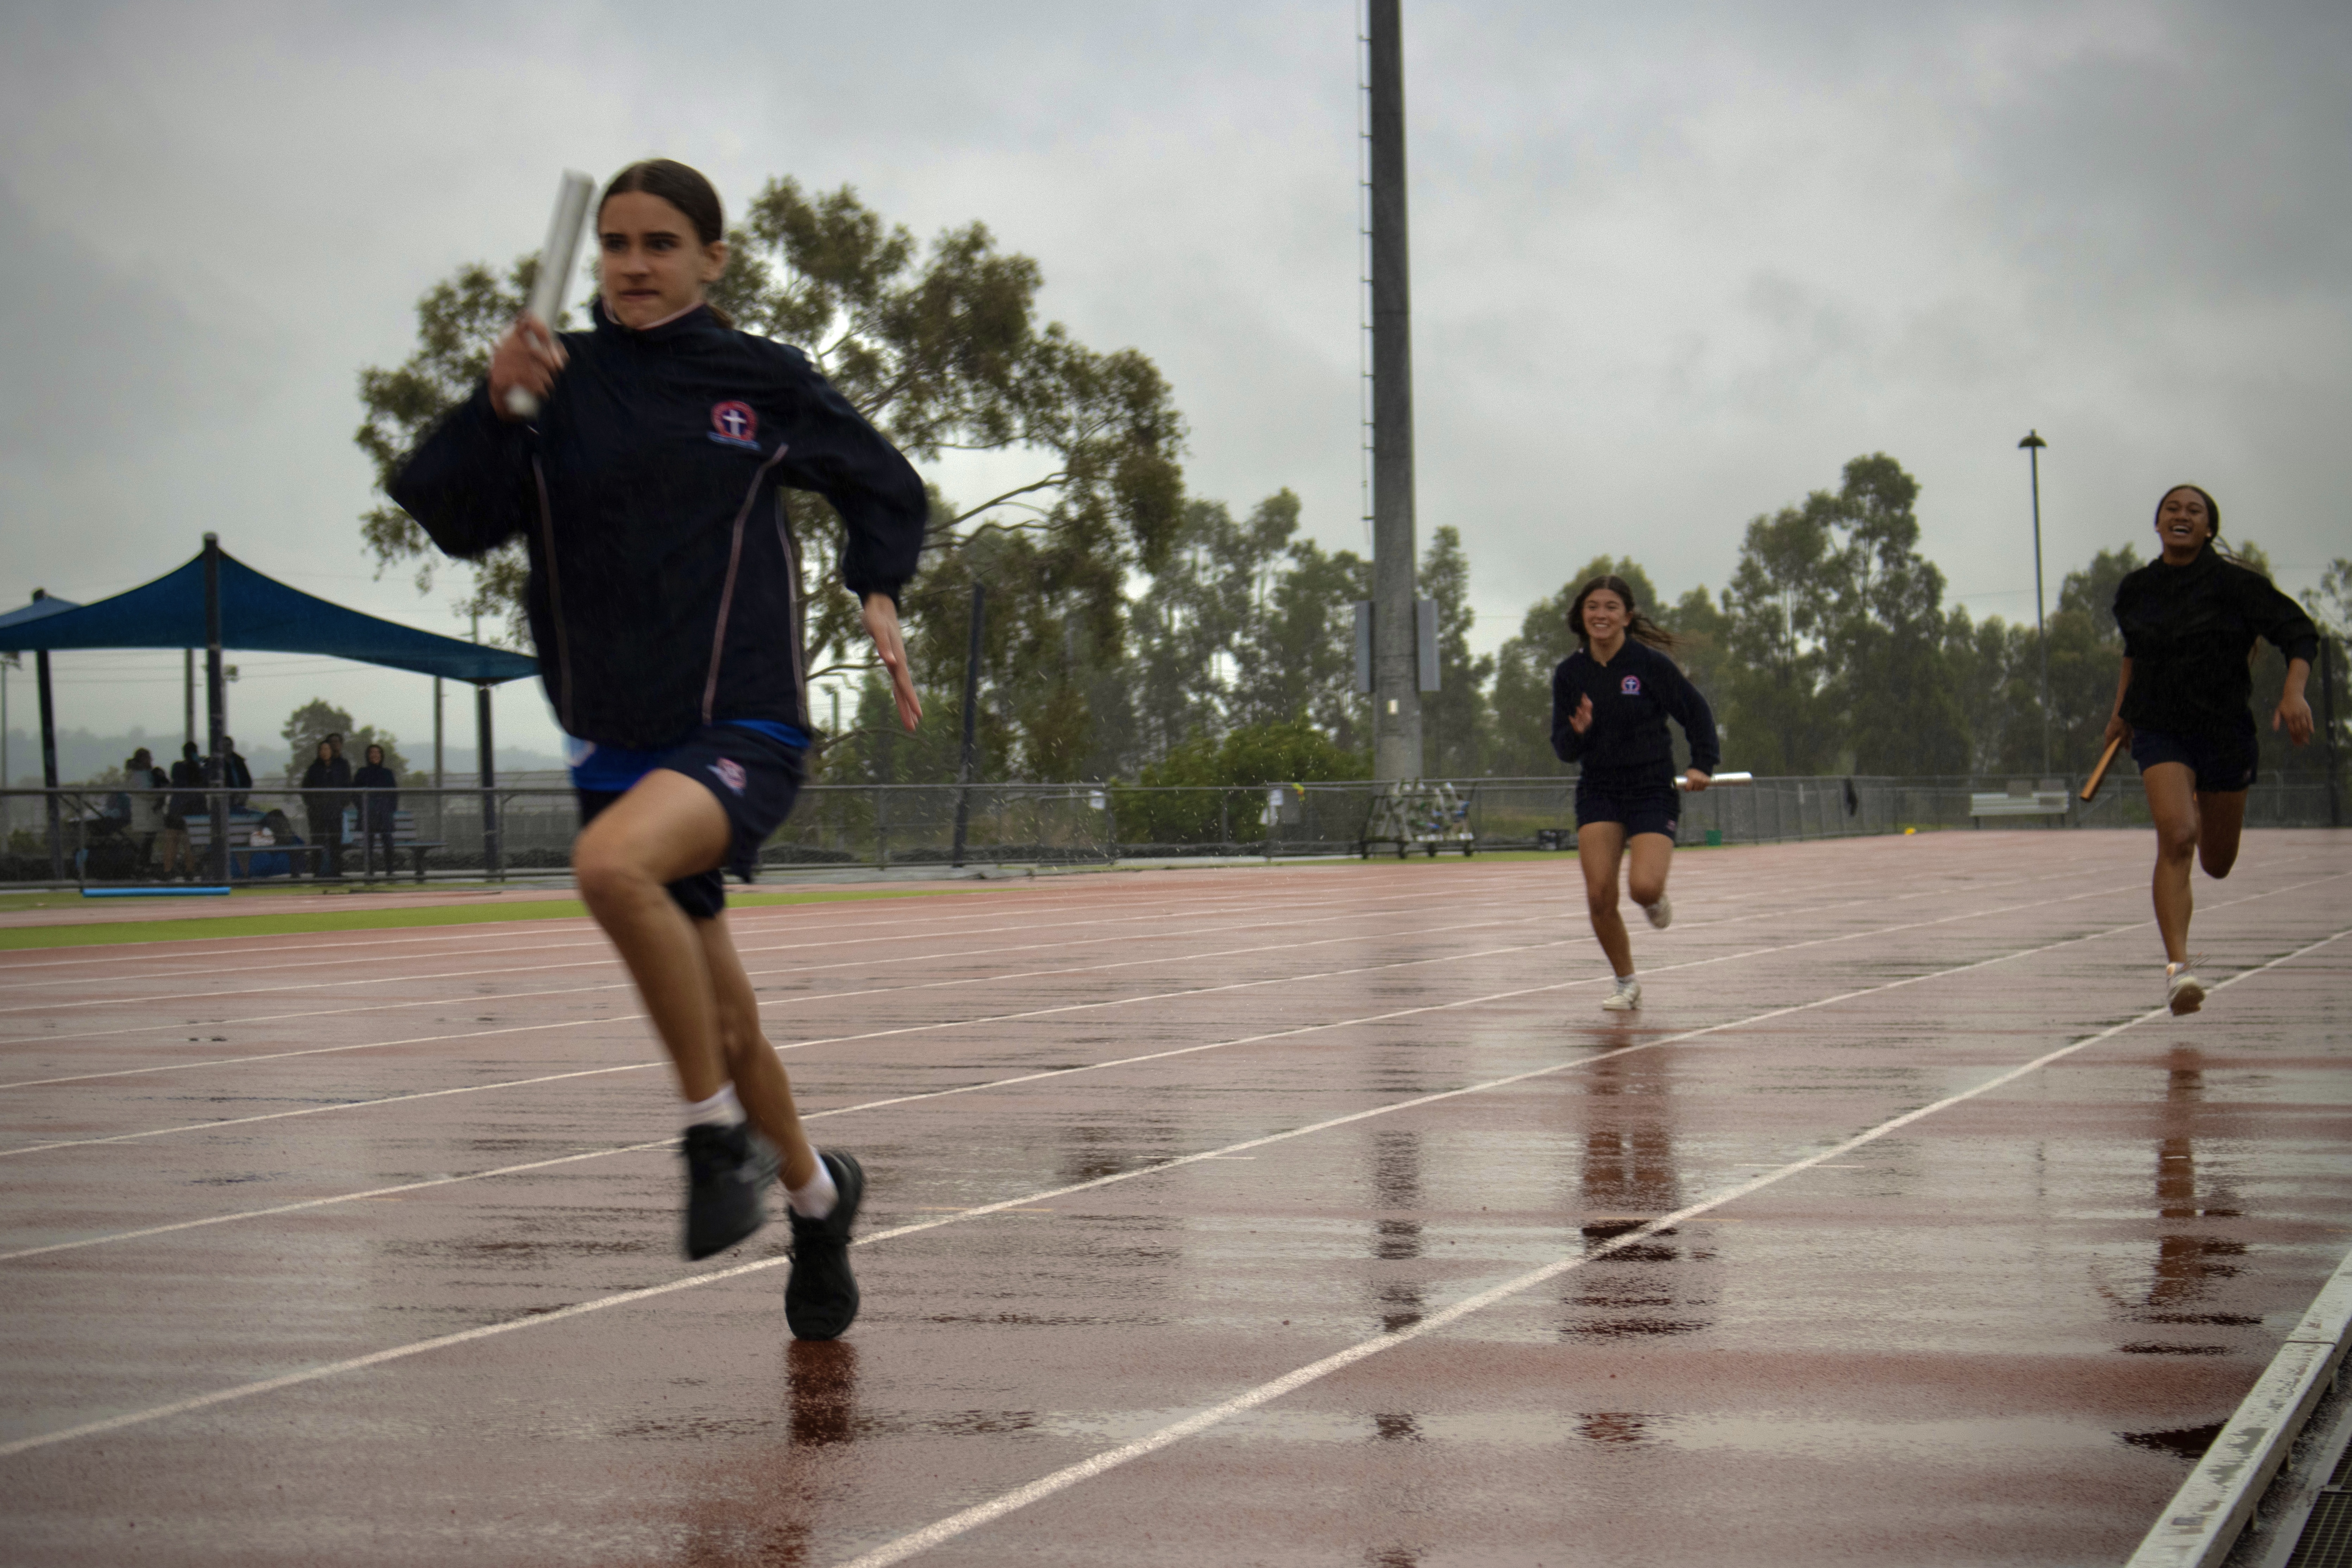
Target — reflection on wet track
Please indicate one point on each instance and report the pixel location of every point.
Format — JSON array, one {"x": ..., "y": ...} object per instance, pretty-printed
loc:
[{"x": 2000, "y": 1332}]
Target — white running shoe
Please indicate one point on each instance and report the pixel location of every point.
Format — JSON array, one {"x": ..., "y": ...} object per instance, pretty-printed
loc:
[
  {"x": 1662, "y": 913},
  {"x": 1624, "y": 999},
  {"x": 2183, "y": 992}
]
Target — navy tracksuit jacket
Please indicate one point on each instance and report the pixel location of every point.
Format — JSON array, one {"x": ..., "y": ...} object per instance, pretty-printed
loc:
[
  {"x": 1633, "y": 695},
  {"x": 663, "y": 593}
]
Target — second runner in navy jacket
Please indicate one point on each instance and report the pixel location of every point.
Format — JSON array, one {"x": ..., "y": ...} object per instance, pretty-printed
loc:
[
  {"x": 662, "y": 591},
  {"x": 1632, "y": 695}
]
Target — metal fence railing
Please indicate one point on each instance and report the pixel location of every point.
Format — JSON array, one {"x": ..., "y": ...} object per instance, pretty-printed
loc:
[{"x": 95, "y": 835}]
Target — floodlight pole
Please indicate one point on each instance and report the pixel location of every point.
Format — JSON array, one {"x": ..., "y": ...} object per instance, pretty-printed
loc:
[
  {"x": 1396, "y": 684},
  {"x": 215, "y": 711},
  {"x": 2032, "y": 445}
]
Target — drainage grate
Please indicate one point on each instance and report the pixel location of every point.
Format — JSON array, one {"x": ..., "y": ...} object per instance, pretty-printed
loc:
[{"x": 2326, "y": 1541}]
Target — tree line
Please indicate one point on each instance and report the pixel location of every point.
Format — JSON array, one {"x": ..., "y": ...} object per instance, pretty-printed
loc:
[{"x": 1133, "y": 632}]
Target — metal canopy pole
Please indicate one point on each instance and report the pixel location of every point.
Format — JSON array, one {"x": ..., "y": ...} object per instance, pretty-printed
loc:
[
  {"x": 1396, "y": 685},
  {"x": 215, "y": 711},
  {"x": 49, "y": 755},
  {"x": 493, "y": 860},
  {"x": 970, "y": 721},
  {"x": 2327, "y": 717}
]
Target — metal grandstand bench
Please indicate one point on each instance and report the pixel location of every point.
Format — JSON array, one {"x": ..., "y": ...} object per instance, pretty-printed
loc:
[
  {"x": 2023, "y": 798},
  {"x": 403, "y": 839},
  {"x": 240, "y": 843}
]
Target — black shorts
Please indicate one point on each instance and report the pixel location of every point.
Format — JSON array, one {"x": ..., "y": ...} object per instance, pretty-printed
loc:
[
  {"x": 754, "y": 777},
  {"x": 1637, "y": 807},
  {"x": 2223, "y": 761}
]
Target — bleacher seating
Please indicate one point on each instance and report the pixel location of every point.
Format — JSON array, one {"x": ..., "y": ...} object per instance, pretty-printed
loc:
[
  {"x": 2023, "y": 797},
  {"x": 403, "y": 839},
  {"x": 242, "y": 848}
]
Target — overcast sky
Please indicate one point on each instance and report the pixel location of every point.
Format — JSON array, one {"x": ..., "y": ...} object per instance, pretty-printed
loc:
[{"x": 1673, "y": 265}]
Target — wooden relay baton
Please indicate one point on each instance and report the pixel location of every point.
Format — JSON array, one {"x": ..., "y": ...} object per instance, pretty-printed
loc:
[{"x": 2099, "y": 774}]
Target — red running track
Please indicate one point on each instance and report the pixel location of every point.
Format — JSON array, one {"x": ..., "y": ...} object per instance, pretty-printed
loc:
[{"x": 1256, "y": 1215}]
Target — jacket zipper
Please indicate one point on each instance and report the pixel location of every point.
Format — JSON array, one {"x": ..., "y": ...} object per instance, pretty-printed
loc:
[
  {"x": 727, "y": 593},
  {"x": 799, "y": 613},
  {"x": 554, "y": 589}
]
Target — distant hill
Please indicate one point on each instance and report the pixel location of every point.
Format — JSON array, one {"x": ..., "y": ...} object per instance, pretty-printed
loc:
[{"x": 83, "y": 755}]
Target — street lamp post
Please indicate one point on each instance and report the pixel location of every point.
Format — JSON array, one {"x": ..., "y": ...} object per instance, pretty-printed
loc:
[{"x": 2032, "y": 445}]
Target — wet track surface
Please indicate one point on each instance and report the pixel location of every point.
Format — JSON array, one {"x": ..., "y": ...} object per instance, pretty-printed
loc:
[{"x": 1891, "y": 1230}]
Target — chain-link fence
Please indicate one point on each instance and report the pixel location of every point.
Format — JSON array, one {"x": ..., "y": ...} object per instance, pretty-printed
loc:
[{"x": 99, "y": 836}]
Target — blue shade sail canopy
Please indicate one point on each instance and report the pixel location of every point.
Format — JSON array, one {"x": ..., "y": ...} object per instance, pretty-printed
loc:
[
  {"x": 258, "y": 614},
  {"x": 39, "y": 610}
]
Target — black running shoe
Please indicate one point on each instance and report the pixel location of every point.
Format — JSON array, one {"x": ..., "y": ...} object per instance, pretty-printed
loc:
[
  {"x": 821, "y": 1298},
  {"x": 727, "y": 1171}
]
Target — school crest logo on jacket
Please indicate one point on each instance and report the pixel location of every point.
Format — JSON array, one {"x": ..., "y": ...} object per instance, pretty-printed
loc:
[
  {"x": 1631, "y": 686},
  {"x": 734, "y": 423}
]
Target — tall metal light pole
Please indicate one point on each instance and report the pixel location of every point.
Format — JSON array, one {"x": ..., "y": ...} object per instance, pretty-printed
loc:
[
  {"x": 2032, "y": 445},
  {"x": 1396, "y": 669}
]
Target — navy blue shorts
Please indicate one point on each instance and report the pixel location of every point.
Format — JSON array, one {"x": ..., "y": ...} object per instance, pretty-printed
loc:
[
  {"x": 2223, "y": 761},
  {"x": 1637, "y": 807},
  {"x": 754, "y": 777}
]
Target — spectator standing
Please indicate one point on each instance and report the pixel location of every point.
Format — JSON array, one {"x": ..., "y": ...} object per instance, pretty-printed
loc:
[
  {"x": 326, "y": 785},
  {"x": 186, "y": 800},
  {"x": 378, "y": 801},
  {"x": 230, "y": 769},
  {"x": 145, "y": 783}
]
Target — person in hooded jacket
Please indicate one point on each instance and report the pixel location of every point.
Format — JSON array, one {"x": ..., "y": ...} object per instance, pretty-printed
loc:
[
  {"x": 665, "y": 603},
  {"x": 326, "y": 785},
  {"x": 379, "y": 800},
  {"x": 1610, "y": 703},
  {"x": 2189, "y": 620}
]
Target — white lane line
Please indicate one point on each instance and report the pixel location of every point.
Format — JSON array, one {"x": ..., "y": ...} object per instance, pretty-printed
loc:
[
  {"x": 974, "y": 1022},
  {"x": 376, "y": 1193},
  {"x": 1776, "y": 913},
  {"x": 45, "y": 1008},
  {"x": 795, "y": 1045},
  {"x": 996, "y": 1508},
  {"x": 886, "y": 929},
  {"x": 305, "y": 1205},
  {"x": 1288, "y": 916},
  {"x": 581, "y": 1308},
  {"x": 370, "y": 945},
  {"x": 365, "y": 939},
  {"x": 880, "y": 927}
]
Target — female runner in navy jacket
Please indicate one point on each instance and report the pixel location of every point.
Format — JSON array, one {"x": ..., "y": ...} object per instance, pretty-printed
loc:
[
  {"x": 2189, "y": 619},
  {"x": 664, "y": 603},
  {"x": 1610, "y": 703}
]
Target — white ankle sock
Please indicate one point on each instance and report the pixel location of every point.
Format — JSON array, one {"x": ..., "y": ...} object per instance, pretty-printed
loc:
[
  {"x": 816, "y": 1200},
  {"x": 720, "y": 1109},
  {"x": 1627, "y": 982}
]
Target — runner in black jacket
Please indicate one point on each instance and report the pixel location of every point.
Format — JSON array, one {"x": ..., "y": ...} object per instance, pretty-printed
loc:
[
  {"x": 664, "y": 606},
  {"x": 1610, "y": 704},
  {"x": 2189, "y": 619}
]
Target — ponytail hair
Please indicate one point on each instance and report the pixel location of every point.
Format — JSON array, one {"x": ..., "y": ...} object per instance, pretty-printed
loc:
[
  {"x": 683, "y": 188},
  {"x": 1638, "y": 627}
]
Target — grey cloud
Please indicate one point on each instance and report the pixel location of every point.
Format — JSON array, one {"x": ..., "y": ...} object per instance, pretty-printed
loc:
[
  {"x": 94, "y": 352},
  {"x": 1672, "y": 267}
]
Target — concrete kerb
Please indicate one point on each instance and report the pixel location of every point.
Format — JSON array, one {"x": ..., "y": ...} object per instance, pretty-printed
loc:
[{"x": 2202, "y": 1522}]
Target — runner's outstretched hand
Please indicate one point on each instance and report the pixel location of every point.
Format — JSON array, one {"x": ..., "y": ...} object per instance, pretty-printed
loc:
[
  {"x": 882, "y": 626},
  {"x": 2294, "y": 713}
]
